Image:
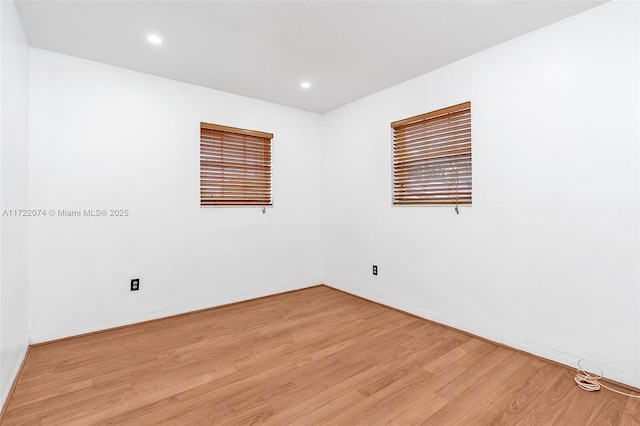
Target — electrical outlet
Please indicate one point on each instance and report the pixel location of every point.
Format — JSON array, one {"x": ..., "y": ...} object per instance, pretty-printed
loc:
[
  {"x": 375, "y": 269},
  {"x": 135, "y": 284}
]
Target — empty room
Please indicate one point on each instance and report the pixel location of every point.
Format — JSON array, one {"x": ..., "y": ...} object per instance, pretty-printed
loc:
[{"x": 320, "y": 212}]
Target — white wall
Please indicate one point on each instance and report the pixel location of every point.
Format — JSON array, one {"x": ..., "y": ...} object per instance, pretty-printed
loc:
[
  {"x": 107, "y": 138},
  {"x": 546, "y": 259},
  {"x": 14, "y": 332}
]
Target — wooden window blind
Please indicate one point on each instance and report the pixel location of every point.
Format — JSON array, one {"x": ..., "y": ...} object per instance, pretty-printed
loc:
[
  {"x": 432, "y": 158},
  {"x": 235, "y": 166}
]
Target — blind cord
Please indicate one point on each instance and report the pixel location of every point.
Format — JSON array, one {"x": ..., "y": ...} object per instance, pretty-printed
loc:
[
  {"x": 591, "y": 382},
  {"x": 457, "y": 184}
]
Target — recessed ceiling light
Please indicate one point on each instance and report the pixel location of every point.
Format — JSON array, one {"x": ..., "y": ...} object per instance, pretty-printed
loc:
[
  {"x": 154, "y": 39},
  {"x": 305, "y": 84}
]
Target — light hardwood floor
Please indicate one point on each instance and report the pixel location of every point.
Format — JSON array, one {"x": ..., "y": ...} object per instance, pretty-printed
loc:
[{"x": 311, "y": 357}]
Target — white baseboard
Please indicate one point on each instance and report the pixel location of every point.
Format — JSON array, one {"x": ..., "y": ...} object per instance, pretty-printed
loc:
[
  {"x": 14, "y": 376},
  {"x": 161, "y": 314},
  {"x": 621, "y": 375}
]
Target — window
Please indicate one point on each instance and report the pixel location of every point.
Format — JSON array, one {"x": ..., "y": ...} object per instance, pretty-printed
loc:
[
  {"x": 432, "y": 158},
  {"x": 235, "y": 166}
]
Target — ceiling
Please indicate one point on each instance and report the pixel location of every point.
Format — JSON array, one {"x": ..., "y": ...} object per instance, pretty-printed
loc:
[{"x": 265, "y": 49}]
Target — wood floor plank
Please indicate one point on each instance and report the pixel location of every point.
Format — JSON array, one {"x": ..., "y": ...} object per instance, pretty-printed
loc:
[
  {"x": 631, "y": 414},
  {"x": 313, "y": 398},
  {"x": 316, "y": 356},
  {"x": 466, "y": 393},
  {"x": 547, "y": 406},
  {"x": 526, "y": 384},
  {"x": 609, "y": 411}
]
